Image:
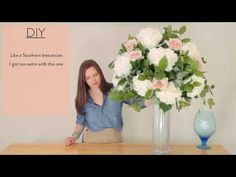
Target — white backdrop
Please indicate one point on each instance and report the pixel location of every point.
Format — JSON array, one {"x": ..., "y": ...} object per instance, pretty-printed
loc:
[{"x": 101, "y": 42}]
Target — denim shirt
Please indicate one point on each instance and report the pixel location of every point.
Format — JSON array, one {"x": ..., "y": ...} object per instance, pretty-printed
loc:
[{"x": 109, "y": 115}]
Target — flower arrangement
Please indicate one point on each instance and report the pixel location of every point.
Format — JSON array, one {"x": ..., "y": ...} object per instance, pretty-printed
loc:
[{"x": 162, "y": 67}]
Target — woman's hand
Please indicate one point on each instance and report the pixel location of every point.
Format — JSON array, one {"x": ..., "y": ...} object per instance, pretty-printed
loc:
[
  {"x": 148, "y": 102},
  {"x": 70, "y": 141}
]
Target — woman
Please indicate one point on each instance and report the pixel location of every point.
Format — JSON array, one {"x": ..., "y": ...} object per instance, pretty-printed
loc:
[{"x": 95, "y": 110}]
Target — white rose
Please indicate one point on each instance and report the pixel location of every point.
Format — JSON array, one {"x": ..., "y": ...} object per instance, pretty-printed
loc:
[
  {"x": 115, "y": 82},
  {"x": 169, "y": 94},
  {"x": 194, "y": 53},
  {"x": 156, "y": 54},
  {"x": 141, "y": 87},
  {"x": 197, "y": 89},
  {"x": 122, "y": 65},
  {"x": 193, "y": 50},
  {"x": 149, "y": 37},
  {"x": 172, "y": 59}
]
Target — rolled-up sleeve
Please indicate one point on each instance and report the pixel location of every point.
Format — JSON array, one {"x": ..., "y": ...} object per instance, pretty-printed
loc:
[
  {"x": 129, "y": 102},
  {"x": 80, "y": 119}
]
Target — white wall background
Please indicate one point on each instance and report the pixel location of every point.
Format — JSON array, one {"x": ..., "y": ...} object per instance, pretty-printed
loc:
[{"x": 101, "y": 42}]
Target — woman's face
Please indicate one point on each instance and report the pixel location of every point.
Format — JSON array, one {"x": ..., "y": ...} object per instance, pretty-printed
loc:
[{"x": 92, "y": 78}]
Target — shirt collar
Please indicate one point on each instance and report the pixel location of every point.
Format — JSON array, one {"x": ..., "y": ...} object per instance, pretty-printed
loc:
[{"x": 90, "y": 99}]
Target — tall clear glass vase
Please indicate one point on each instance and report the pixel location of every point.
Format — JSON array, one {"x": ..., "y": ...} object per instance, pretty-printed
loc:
[{"x": 161, "y": 130}]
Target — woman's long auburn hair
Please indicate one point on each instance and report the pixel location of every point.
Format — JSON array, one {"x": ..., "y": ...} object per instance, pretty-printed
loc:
[{"x": 82, "y": 86}]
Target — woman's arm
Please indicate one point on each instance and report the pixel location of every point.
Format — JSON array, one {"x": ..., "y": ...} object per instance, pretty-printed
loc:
[
  {"x": 142, "y": 104},
  {"x": 79, "y": 128},
  {"x": 78, "y": 131}
]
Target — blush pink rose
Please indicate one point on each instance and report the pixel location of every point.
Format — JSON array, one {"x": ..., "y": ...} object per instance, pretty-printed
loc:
[
  {"x": 130, "y": 44},
  {"x": 135, "y": 55},
  {"x": 175, "y": 44},
  {"x": 160, "y": 84}
]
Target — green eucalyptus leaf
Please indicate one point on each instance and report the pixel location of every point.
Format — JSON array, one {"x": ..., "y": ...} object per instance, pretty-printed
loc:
[{"x": 182, "y": 30}]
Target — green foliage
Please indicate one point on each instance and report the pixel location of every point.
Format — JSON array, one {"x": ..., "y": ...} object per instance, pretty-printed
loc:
[
  {"x": 199, "y": 73},
  {"x": 111, "y": 65},
  {"x": 160, "y": 75},
  {"x": 212, "y": 86},
  {"x": 136, "y": 107},
  {"x": 149, "y": 94},
  {"x": 122, "y": 81},
  {"x": 204, "y": 91},
  {"x": 141, "y": 48},
  {"x": 210, "y": 102},
  {"x": 123, "y": 49},
  {"x": 130, "y": 37},
  {"x": 182, "y": 30},
  {"x": 188, "y": 87},
  {"x": 120, "y": 95},
  {"x": 163, "y": 63},
  {"x": 186, "y": 40},
  {"x": 142, "y": 77},
  {"x": 183, "y": 104},
  {"x": 165, "y": 107},
  {"x": 203, "y": 60},
  {"x": 196, "y": 84}
]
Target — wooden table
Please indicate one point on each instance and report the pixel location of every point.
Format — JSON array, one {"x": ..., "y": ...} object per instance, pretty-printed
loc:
[{"x": 106, "y": 149}]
